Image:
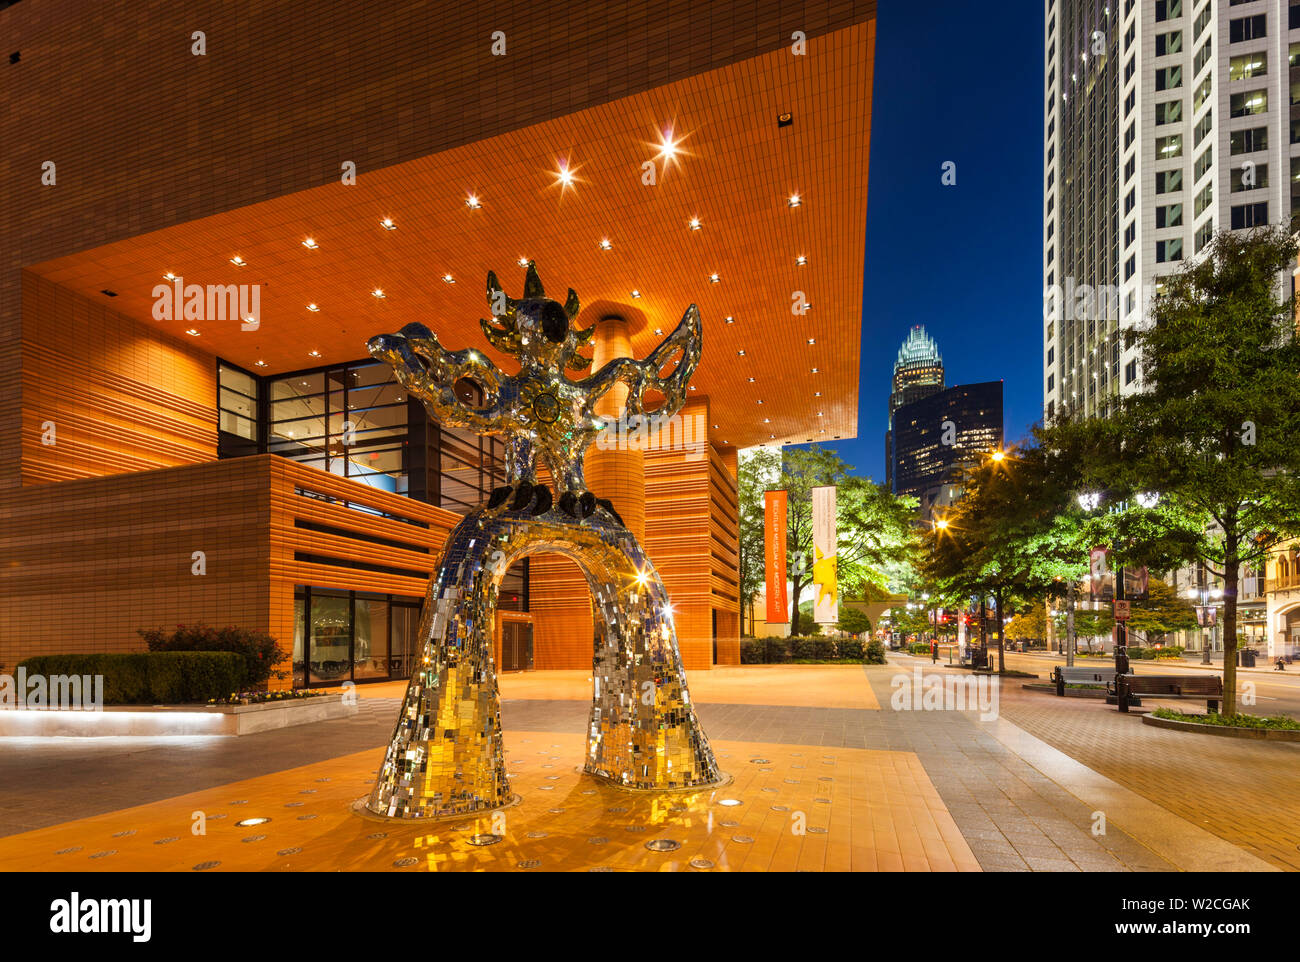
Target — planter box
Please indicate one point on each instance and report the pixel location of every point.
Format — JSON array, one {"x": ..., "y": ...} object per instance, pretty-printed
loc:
[
  {"x": 164, "y": 720},
  {"x": 1267, "y": 734}
]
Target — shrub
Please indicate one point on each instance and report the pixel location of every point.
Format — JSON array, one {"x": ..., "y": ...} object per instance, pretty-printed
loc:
[
  {"x": 803, "y": 649},
  {"x": 850, "y": 649},
  {"x": 780, "y": 651},
  {"x": 875, "y": 652},
  {"x": 259, "y": 651},
  {"x": 777, "y": 651},
  {"x": 150, "y": 678},
  {"x": 1283, "y": 722}
]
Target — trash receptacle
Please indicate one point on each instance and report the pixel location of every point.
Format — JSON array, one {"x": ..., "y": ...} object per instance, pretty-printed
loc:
[{"x": 1246, "y": 657}]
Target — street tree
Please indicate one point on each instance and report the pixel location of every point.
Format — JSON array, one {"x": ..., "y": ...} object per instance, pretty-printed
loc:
[{"x": 1214, "y": 429}]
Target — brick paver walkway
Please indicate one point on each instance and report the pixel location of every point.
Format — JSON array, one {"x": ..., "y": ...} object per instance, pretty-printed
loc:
[
  {"x": 1006, "y": 785},
  {"x": 1243, "y": 791}
]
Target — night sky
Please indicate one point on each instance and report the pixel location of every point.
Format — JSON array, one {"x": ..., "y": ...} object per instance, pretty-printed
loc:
[{"x": 962, "y": 82}]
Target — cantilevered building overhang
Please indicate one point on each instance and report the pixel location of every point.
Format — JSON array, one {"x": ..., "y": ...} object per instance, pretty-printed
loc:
[{"x": 722, "y": 163}]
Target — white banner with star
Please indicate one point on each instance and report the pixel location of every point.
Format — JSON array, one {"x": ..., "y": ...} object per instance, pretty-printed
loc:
[{"x": 826, "y": 609}]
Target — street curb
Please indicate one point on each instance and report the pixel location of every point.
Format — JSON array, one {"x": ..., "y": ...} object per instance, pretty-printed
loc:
[{"x": 1261, "y": 734}]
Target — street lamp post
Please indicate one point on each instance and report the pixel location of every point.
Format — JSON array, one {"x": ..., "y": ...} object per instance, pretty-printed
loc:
[
  {"x": 1203, "y": 591},
  {"x": 1090, "y": 501}
]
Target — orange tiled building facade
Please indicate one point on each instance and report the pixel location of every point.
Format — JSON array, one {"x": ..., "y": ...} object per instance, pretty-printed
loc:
[{"x": 124, "y": 503}]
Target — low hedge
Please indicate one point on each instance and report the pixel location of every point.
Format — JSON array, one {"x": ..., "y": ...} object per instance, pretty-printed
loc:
[
  {"x": 784, "y": 651},
  {"x": 1273, "y": 722},
  {"x": 152, "y": 677}
]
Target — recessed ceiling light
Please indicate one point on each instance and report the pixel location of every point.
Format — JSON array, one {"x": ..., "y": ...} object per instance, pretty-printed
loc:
[
  {"x": 260, "y": 363},
  {"x": 812, "y": 340},
  {"x": 238, "y": 261},
  {"x": 692, "y": 387},
  {"x": 715, "y": 427},
  {"x": 248, "y": 822},
  {"x": 605, "y": 244},
  {"x": 760, "y": 400},
  {"x": 817, "y": 393},
  {"x": 767, "y": 420},
  {"x": 108, "y": 293},
  {"x": 522, "y": 262},
  {"x": 794, "y": 201},
  {"x": 801, "y": 260},
  {"x": 170, "y": 276},
  {"x": 313, "y": 307},
  {"x": 741, "y": 353},
  {"x": 448, "y": 279},
  {"x": 472, "y": 202},
  {"x": 730, "y": 319},
  {"x": 192, "y": 332},
  {"x": 378, "y": 292},
  {"x": 694, "y": 223},
  {"x": 659, "y": 332},
  {"x": 668, "y": 146},
  {"x": 387, "y": 224},
  {"x": 310, "y": 244},
  {"x": 772, "y": 437},
  {"x": 751, "y": 380},
  {"x": 819, "y": 413},
  {"x": 564, "y": 175},
  {"x": 714, "y": 278},
  {"x": 636, "y": 293},
  {"x": 313, "y": 354}
]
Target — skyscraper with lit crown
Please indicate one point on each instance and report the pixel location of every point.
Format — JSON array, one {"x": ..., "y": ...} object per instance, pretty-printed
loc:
[{"x": 918, "y": 373}]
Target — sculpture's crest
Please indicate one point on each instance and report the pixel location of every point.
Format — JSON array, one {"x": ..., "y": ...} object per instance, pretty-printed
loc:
[{"x": 540, "y": 411}]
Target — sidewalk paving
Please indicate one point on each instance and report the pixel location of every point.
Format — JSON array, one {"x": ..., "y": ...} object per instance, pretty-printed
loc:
[{"x": 894, "y": 789}]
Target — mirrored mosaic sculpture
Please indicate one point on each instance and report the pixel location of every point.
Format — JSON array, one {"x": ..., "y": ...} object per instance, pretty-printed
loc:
[{"x": 446, "y": 757}]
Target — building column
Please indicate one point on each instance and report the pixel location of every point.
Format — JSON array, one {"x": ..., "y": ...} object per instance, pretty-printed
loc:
[{"x": 616, "y": 473}]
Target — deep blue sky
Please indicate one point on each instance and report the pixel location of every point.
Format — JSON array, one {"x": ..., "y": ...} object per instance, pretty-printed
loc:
[{"x": 958, "y": 81}]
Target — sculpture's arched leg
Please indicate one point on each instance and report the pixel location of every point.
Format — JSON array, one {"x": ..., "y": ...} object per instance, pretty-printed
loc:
[
  {"x": 446, "y": 757},
  {"x": 642, "y": 731}
]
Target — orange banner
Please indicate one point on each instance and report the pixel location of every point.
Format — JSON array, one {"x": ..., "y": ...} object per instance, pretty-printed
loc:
[{"x": 774, "y": 522}]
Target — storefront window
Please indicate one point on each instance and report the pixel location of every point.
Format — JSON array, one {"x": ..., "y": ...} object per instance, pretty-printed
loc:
[
  {"x": 370, "y": 628},
  {"x": 331, "y": 637},
  {"x": 352, "y": 636}
]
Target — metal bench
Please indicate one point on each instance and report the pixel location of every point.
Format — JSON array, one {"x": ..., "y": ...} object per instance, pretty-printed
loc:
[
  {"x": 1209, "y": 687},
  {"x": 1082, "y": 676}
]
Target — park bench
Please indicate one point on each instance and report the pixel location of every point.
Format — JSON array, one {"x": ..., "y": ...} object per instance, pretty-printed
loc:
[
  {"x": 1082, "y": 676},
  {"x": 1208, "y": 687}
]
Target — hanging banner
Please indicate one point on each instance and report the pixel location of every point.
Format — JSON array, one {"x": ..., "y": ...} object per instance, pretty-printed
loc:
[
  {"x": 774, "y": 530},
  {"x": 826, "y": 608},
  {"x": 1137, "y": 584},
  {"x": 1101, "y": 583}
]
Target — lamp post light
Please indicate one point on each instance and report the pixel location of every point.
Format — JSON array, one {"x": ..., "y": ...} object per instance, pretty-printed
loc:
[{"x": 1090, "y": 501}]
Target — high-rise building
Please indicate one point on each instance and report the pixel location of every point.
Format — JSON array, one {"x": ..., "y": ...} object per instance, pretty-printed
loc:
[
  {"x": 1166, "y": 121},
  {"x": 937, "y": 435},
  {"x": 918, "y": 373}
]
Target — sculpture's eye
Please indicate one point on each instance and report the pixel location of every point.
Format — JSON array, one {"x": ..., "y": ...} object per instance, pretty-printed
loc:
[{"x": 555, "y": 323}]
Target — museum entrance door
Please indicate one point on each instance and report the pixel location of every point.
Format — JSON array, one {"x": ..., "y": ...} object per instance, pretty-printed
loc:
[{"x": 516, "y": 646}]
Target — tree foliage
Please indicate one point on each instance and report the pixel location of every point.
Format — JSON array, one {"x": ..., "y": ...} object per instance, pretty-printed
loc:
[{"x": 1214, "y": 429}]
